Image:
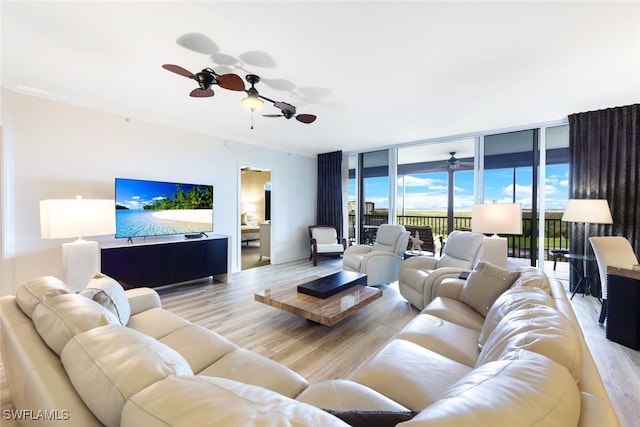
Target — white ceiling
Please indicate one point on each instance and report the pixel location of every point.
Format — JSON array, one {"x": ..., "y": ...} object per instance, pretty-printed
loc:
[{"x": 375, "y": 73}]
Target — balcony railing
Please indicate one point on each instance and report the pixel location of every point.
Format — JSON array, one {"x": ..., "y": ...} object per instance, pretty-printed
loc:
[{"x": 555, "y": 231}]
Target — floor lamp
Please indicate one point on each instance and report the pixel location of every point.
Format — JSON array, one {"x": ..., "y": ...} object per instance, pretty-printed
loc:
[
  {"x": 587, "y": 211},
  {"x": 496, "y": 218},
  {"x": 66, "y": 218}
]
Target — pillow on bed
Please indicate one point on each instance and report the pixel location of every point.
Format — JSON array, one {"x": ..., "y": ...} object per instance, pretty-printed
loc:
[{"x": 243, "y": 219}]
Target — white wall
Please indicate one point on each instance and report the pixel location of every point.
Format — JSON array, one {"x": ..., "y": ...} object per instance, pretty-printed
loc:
[{"x": 54, "y": 150}]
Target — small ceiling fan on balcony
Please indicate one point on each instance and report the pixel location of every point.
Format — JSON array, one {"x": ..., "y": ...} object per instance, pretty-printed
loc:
[
  {"x": 207, "y": 78},
  {"x": 454, "y": 163}
]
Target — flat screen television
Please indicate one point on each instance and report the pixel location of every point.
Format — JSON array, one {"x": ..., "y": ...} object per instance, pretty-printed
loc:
[{"x": 157, "y": 208}]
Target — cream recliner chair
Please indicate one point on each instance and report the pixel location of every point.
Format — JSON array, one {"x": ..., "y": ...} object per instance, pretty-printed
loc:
[
  {"x": 420, "y": 276},
  {"x": 381, "y": 261}
]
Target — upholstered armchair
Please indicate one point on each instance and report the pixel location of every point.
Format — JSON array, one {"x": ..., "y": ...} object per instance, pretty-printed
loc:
[
  {"x": 380, "y": 261},
  {"x": 325, "y": 242},
  {"x": 615, "y": 251},
  {"x": 420, "y": 276}
]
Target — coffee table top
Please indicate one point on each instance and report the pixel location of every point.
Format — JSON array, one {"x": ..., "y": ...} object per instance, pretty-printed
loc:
[{"x": 327, "y": 311}]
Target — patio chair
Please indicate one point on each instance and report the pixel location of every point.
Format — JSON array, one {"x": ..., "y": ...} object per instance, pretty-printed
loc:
[{"x": 426, "y": 236}]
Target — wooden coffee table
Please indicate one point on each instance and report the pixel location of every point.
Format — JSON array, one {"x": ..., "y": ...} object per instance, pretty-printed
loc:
[{"x": 326, "y": 311}]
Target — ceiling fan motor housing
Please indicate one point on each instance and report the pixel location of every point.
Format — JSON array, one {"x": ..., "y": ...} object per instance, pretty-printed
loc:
[{"x": 205, "y": 78}]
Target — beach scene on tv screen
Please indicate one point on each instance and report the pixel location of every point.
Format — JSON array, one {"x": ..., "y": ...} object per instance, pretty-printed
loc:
[{"x": 153, "y": 208}]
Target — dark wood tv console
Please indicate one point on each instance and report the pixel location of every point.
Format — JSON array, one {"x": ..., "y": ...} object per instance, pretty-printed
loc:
[{"x": 163, "y": 263}]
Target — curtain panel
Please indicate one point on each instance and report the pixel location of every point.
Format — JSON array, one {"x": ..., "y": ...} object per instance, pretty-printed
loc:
[
  {"x": 329, "y": 194},
  {"x": 604, "y": 163}
]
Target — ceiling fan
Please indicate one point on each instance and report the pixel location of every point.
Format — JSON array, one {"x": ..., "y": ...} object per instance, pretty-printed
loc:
[
  {"x": 289, "y": 111},
  {"x": 455, "y": 163},
  {"x": 206, "y": 78},
  {"x": 253, "y": 101}
]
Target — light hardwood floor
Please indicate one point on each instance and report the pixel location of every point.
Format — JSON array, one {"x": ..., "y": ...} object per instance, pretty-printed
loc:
[{"x": 319, "y": 352}]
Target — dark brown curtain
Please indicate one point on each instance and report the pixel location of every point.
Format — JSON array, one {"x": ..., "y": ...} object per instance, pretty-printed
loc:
[
  {"x": 604, "y": 163},
  {"x": 329, "y": 199}
]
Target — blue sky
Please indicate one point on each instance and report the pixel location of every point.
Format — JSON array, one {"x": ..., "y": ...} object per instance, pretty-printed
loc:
[
  {"x": 429, "y": 191},
  {"x": 135, "y": 194}
]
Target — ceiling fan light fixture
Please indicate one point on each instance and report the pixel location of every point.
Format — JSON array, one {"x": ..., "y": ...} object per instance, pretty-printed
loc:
[{"x": 252, "y": 102}]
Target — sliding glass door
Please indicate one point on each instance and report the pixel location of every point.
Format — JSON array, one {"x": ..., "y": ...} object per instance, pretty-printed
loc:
[
  {"x": 512, "y": 173},
  {"x": 368, "y": 194},
  {"x": 435, "y": 185}
]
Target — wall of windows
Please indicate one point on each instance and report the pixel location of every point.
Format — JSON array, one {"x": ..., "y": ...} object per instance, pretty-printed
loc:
[{"x": 437, "y": 182}]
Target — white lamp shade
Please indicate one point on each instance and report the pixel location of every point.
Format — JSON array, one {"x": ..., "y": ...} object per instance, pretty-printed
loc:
[
  {"x": 497, "y": 218},
  {"x": 65, "y": 218},
  {"x": 591, "y": 211}
]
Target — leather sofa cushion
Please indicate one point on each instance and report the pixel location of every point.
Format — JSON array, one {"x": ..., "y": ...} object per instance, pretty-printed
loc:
[
  {"x": 533, "y": 277},
  {"x": 199, "y": 346},
  {"x": 446, "y": 338},
  {"x": 455, "y": 311},
  {"x": 251, "y": 368},
  {"x": 532, "y": 392},
  {"x": 157, "y": 322},
  {"x": 539, "y": 329},
  {"x": 344, "y": 395},
  {"x": 29, "y": 295},
  {"x": 412, "y": 375},
  {"x": 108, "y": 293},
  {"x": 485, "y": 284},
  {"x": 180, "y": 401},
  {"x": 107, "y": 365},
  {"x": 60, "y": 318},
  {"x": 512, "y": 299}
]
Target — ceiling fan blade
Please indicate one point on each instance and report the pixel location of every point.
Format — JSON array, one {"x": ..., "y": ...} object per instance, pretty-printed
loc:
[
  {"x": 201, "y": 93},
  {"x": 272, "y": 115},
  {"x": 231, "y": 82},
  {"x": 306, "y": 118},
  {"x": 178, "y": 70},
  {"x": 285, "y": 107}
]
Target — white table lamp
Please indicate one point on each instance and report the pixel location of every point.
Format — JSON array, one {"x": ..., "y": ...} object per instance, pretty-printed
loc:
[
  {"x": 496, "y": 218},
  {"x": 66, "y": 218}
]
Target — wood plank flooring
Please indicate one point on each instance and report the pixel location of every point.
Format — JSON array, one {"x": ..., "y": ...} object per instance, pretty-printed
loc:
[{"x": 319, "y": 352}]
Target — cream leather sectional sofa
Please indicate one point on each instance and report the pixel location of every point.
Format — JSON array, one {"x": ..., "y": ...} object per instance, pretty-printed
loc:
[{"x": 110, "y": 357}]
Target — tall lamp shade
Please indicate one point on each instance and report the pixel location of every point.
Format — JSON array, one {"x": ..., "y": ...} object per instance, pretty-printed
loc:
[
  {"x": 496, "y": 218},
  {"x": 588, "y": 211},
  {"x": 77, "y": 218}
]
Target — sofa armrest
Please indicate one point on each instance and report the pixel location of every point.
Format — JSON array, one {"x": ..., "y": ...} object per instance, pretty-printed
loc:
[
  {"x": 420, "y": 263},
  {"x": 358, "y": 249},
  {"x": 142, "y": 299},
  {"x": 449, "y": 287},
  {"x": 434, "y": 279}
]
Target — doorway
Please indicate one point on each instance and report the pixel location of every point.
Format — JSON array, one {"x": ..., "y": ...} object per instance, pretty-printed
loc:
[{"x": 255, "y": 217}]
